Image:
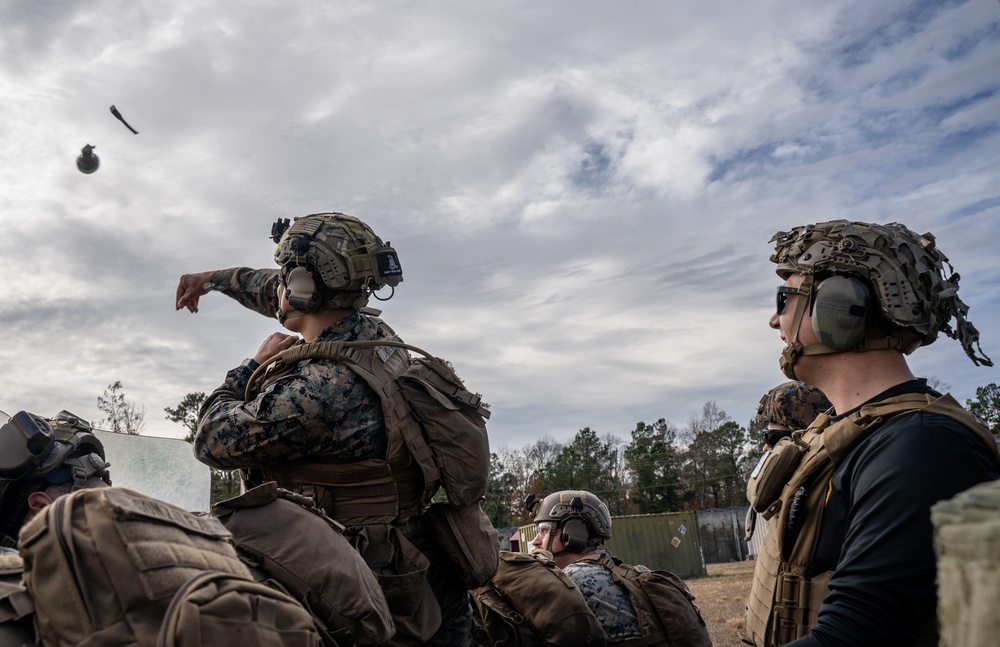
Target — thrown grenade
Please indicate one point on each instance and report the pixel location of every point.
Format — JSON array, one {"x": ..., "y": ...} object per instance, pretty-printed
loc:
[{"x": 87, "y": 162}]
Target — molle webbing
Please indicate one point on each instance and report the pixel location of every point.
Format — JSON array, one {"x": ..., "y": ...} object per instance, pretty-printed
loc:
[
  {"x": 372, "y": 491},
  {"x": 786, "y": 595},
  {"x": 378, "y": 363},
  {"x": 355, "y": 494}
]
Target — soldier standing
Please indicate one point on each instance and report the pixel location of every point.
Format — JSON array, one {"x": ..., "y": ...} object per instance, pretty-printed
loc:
[
  {"x": 848, "y": 556},
  {"x": 317, "y": 428}
]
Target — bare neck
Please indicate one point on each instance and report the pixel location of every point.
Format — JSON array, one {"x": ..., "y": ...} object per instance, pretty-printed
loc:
[{"x": 851, "y": 379}]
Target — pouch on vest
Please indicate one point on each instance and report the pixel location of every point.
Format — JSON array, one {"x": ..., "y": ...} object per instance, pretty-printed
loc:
[
  {"x": 768, "y": 478},
  {"x": 221, "y": 609},
  {"x": 103, "y": 564},
  {"x": 453, "y": 420},
  {"x": 401, "y": 571},
  {"x": 468, "y": 538},
  {"x": 303, "y": 549},
  {"x": 530, "y": 596}
]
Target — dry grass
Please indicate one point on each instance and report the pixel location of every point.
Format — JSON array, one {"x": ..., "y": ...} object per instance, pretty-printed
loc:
[{"x": 721, "y": 598}]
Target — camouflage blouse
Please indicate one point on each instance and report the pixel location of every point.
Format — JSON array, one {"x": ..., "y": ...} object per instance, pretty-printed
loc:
[
  {"x": 320, "y": 412},
  {"x": 609, "y": 601}
]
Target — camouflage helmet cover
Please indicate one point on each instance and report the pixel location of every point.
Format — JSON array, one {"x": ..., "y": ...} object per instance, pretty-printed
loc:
[
  {"x": 580, "y": 504},
  {"x": 793, "y": 404},
  {"x": 916, "y": 286},
  {"x": 346, "y": 259}
]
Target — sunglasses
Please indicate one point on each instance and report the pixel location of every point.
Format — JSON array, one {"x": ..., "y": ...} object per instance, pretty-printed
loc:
[
  {"x": 772, "y": 436},
  {"x": 785, "y": 291}
]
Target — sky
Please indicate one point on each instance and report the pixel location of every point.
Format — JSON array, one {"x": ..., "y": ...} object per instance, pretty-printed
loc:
[{"x": 581, "y": 193}]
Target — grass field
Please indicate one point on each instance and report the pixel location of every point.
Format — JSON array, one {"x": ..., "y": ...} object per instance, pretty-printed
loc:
[{"x": 721, "y": 597}]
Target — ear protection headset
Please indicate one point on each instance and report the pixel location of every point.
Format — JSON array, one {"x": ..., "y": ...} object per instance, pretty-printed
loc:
[
  {"x": 840, "y": 311},
  {"x": 575, "y": 534},
  {"x": 300, "y": 289}
]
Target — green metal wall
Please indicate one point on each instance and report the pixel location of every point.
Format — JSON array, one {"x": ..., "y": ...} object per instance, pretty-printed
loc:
[{"x": 668, "y": 541}]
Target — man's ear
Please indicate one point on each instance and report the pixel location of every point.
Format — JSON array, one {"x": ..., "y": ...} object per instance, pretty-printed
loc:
[{"x": 37, "y": 502}]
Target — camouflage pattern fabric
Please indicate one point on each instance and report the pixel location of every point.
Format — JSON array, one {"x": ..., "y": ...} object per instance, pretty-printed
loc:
[
  {"x": 916, "y": 285},
  {"x": 793, "y": 404},
  {"x": 609, "y": 601},
  {"x": 321, "y": 411},
  {"x": 253, "y": 289}
]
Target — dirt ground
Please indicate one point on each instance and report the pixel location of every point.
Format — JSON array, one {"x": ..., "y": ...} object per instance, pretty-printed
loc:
[{"x": 721, "y": 597}]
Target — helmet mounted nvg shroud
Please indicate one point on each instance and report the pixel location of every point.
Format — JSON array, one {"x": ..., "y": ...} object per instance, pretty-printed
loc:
[
  {"x": 871, "y": 287},
  {"x": 330, "y": 261}
]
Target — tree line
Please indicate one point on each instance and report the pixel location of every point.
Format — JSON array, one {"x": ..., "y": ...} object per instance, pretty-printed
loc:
[{"x": 660, "y": 468}]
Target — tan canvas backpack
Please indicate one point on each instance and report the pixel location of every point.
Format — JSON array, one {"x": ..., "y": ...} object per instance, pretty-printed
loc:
[
  {"x": 532, "y": 603},
  {"x": 431, "y": 416},
  {"x": 110, "y": 567},
  {"x": 663, "y": 604}
]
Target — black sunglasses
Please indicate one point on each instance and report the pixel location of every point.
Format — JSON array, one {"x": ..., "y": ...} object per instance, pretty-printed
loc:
[
  {"x": 772, "y": 436},
  {"x": 784, "y": 291}
]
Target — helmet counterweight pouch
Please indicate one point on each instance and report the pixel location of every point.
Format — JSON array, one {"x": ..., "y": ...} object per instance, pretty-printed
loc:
[{"x": 840, "y": 312}]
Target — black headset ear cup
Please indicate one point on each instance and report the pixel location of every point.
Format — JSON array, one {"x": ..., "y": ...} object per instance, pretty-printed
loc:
[
  {"x": 300, "y": 289},
  {"x": 575, "y": 535},
  {"x": 840, "y": 312}
]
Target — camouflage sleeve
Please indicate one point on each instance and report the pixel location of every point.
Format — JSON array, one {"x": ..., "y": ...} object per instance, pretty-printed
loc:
[
  {"x": 320, "y": 412},
  {"x": 253, "y": 289}
]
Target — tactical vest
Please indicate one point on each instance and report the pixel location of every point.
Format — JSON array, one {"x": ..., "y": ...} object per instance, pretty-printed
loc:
[
  {"x": 786, "y": 595},
  {"x": 373, "y": 491}
]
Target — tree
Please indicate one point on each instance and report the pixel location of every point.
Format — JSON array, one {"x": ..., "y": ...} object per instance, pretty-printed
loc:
[
  {"x": 717, "y": 459},
  {"x": 617, "y": 499},
  {"x": 186, "y": 413},
  {"x": 498, "y": 493},
  {"x": 584, "y": 464},
  {"x": 987, "y": 406},
  {"x": 121, "y": 416},
  {"x": 654, "y": 464}
]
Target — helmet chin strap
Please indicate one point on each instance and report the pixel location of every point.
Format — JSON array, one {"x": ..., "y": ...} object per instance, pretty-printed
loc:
[
  {"x": 551, "y": 540},
  {"x": 794, "y": 348}
]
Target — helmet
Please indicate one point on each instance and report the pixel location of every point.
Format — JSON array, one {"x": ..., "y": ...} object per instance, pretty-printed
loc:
[
  {"x": 583, "y": 518},
  {"x": 872, "y": 287},
  {"x": 793, "y": 404},
  {"x": 36, "y": 452},
  {"x": 332, "y": 260}
]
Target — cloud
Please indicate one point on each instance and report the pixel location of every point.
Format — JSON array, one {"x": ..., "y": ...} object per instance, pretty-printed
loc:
[{"x": 581, "y": 194}]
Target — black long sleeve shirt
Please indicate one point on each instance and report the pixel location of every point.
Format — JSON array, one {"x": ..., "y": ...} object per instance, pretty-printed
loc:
[{"x": 877, "y": 534}]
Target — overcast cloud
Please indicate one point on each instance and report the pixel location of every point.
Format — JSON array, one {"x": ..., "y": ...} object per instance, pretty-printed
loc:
[{"x": 581, "y": 193}]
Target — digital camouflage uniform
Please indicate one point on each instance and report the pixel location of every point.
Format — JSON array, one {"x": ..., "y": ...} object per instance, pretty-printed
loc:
[
  {"x": 321, "y": 412},
  {"x": 609, "y": 601}
]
